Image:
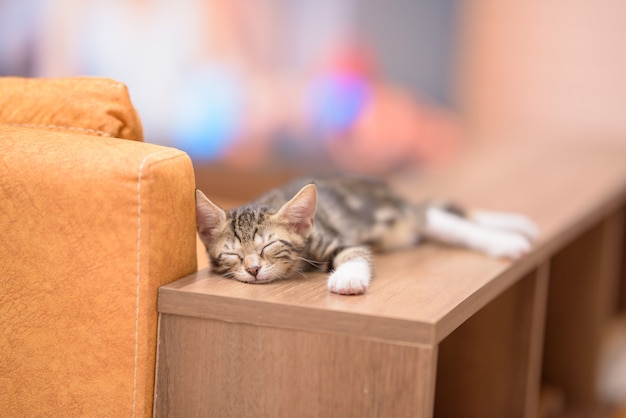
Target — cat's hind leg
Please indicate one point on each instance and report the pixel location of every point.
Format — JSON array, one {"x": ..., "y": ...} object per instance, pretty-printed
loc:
[
  {"x": 450, "y": 228},
  {"x": 352, "y": 272},
  {"x": 505, "y": 221}
]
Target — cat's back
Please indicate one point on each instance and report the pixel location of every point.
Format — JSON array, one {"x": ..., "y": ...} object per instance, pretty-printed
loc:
[
  {"x": 351, "y": 192},
  {"x": 353, "y": 211},
  {"x": 347, "y": 199}
]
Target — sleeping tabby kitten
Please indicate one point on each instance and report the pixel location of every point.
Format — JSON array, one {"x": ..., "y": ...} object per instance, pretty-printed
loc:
[{"x": 335, "y": 224}]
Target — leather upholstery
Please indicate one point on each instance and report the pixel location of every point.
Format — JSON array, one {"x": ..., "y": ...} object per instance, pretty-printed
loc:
[{"x": 90, "y": 227}]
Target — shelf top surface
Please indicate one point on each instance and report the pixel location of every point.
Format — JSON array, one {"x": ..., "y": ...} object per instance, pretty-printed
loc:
[{"x": 419, "y": 295}]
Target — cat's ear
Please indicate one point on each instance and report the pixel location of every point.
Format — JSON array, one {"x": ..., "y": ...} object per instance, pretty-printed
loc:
[
  {"x": 299, "y": 212},
  {"x": 209, "y": 217}
]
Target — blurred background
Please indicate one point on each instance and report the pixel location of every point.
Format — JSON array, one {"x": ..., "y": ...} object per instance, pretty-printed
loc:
[
  {"x": 259, "y": 91},
  {"x": 337, "y": 85},
  {"x": 290, "y": 86},
  {"x": 273, "y": 86}
]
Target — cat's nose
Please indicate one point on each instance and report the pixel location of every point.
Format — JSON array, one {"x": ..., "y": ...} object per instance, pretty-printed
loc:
[{"x": 253, "y": 270}]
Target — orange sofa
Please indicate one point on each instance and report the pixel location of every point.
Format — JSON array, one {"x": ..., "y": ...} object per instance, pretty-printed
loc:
[{"x": 92, "y": 222}]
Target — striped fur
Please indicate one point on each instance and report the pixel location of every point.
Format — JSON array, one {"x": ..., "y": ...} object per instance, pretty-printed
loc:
[{"x": 332, "y": 225}]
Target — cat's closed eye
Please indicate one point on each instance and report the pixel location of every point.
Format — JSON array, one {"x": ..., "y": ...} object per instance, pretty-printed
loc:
[
  {"x": 276, "y": 249},
  {"x": 269, "y": 247},
  {"x": 230, "y": 259}
]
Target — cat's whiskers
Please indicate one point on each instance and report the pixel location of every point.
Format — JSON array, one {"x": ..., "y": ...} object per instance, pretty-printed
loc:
[
  {"x": 228, "y": 274},
  {"x": 316, "y": 264},
  {"x": 301, "y": 273},
  {"x": 275, "y": 276}
]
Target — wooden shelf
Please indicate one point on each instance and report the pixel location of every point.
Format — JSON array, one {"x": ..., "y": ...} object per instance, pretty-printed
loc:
[{"x": 441, "y": 331}]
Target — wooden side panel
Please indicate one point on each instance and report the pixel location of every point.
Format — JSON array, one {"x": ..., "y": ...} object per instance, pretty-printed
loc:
[
  {"x": 214, "y": 368},
  {"x": 582, "y": 296},
  {"x": 490, "y": 365}
]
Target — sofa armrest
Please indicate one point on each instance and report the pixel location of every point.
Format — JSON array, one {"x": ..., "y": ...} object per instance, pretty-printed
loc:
[{"x": 91, "y": 227}]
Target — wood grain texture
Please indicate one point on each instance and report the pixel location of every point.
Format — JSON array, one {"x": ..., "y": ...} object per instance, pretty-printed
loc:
[{"x": 214, "y": 368}]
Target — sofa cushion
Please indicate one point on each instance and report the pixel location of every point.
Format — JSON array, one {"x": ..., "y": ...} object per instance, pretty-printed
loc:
[{"x": 84, "y": 105}]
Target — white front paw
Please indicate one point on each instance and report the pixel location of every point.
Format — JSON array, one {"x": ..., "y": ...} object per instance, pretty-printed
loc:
[
  {"x": 350, "y": 278},
  {"x": 506, "y": 245}
]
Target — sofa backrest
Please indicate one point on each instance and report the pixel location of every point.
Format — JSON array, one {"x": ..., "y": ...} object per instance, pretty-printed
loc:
[{"x": 82, "y": 105}]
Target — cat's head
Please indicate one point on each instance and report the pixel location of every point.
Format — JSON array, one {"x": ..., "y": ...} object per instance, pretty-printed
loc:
[{"x": 252, "y": 243}]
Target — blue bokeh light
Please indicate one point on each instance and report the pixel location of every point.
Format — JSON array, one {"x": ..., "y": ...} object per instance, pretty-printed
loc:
[
  {"x": 337, "y": 100},
  {"x": 209, "y": 113}
]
